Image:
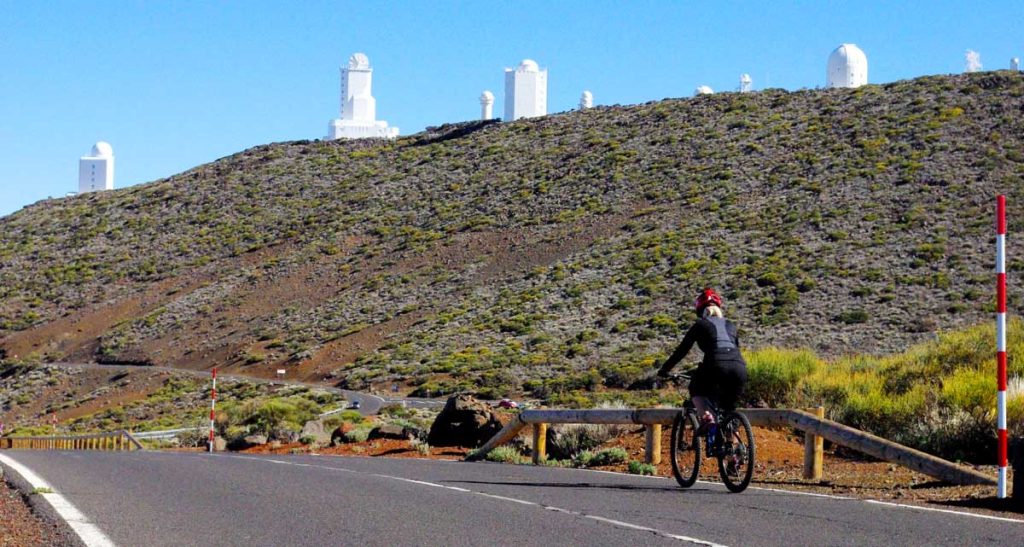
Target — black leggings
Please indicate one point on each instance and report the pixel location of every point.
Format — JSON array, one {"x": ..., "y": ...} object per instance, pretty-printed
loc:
[{"x": 721, "y": 381}]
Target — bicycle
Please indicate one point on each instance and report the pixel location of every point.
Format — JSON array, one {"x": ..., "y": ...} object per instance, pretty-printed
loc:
[{"x": 729, "y": 438}]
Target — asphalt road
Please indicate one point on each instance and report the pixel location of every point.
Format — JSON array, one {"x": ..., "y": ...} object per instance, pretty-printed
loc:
[{"x": 159, "y": 498}]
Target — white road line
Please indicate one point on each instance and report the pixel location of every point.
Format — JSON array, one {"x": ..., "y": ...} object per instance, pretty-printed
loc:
[
  {"x": 891, "y": 504},
  {"x": 937, "y": 510},
  {"x": 613, "y": 522},
  {"x": 90, "y": 535},
  {"x": 831, "y": 496},
  {"x": 764, "y": 489}
]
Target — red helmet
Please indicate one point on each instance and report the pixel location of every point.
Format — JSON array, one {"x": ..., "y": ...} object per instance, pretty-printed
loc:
[{"x": 708, "y": 297}]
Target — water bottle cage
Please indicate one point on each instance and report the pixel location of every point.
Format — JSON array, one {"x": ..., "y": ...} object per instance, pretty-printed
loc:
[{"x": 712, "y": 444}]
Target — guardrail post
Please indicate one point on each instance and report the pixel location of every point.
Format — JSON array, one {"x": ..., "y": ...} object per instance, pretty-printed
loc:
[
  {"x": 814, "y": 449},
  {"x": 652, "y": 448},
  {"x": 540, "y": 443}
]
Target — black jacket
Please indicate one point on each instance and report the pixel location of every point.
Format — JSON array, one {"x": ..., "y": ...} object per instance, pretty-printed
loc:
[{"x": 719, "y": 343}]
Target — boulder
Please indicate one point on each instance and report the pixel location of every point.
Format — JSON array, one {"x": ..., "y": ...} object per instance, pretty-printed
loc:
[
  {"x": 255, "y": 440},
  {"x": 219, "y": 444},
  {"x": 315, "y": 430},
  {"x": 338, "y": 435},
  {"x": 391, "y": 431},
  {"x": 248, "y": 441},
  {"x": 284, "y": 435},
  {"x": 464, "y": 422}
]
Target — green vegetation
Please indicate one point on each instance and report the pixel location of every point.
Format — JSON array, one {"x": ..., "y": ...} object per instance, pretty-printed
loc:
[
  {"x": 506, "y": 454},
  {"x": 937, "y": 396},
  {"x": 608, "y": 456},
  {"x": 637, "y": 468}
]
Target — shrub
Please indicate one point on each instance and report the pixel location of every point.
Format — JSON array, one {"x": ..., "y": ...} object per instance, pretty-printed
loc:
[
  {"x": 773, "y": 374},
  {"x": 358, "y": 435},
  {"x": 608, "y": 456},
  {"x": 852, "y": 317},
  {"x": 505, "y": 454},
  {"x": 420, "y": 446},
  {"x": 637, "y": 468},
  {"x": 568, "y": 441}
]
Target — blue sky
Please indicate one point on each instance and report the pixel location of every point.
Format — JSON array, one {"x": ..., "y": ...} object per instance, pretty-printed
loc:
[{"x": 172, "y": 84}]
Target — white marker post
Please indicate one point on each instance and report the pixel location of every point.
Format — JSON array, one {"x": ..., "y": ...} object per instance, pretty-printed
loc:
[
  {"x": 213, "y": 405},
  {"x": 1001, "y": 339}
]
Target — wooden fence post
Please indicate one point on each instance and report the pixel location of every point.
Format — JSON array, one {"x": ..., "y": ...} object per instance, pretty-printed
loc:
[
  {"x": 652, "y": 447},
  {"x": 540, "y": 443},
  {"x": 814, "y": 451}
]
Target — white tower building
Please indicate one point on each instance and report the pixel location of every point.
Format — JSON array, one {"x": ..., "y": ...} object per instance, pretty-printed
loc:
[
  {"x": 745, "y": 83},
  {"x": 358, "y": 107},
  {"x": 703, "y": 90},
  {"x": 847, "y": 67},
  {"x": 486, "y": 105},
  {"x": 526, "y": 91},
  {"x": 1015, "y": 63},
  {"x": 96, "y": 171},
  {"x": 972, "y": 61},
  {"x": 586, "y": 100}
]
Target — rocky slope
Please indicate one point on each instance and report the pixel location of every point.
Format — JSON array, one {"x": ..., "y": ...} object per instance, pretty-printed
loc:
[{"x": 549, "y": 254}]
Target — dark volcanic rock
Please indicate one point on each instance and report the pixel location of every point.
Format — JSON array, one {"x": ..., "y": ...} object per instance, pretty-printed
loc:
[{"x": 463, "y": 422}]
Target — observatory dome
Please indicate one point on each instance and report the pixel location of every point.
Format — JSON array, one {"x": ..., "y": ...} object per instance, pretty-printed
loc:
[
  {"x": 703, "y": 90},
  {"x": 487, "y": 96},
  {"x": 102, "y": 149},
  {"x": 847, "y": 67},
  {"x": 529, "y": 65},
  {"x": 359, "y": 61}
]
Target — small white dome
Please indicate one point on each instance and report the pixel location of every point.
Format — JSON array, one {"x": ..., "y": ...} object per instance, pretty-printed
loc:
[
  {"x": 359, "y": 61},
  {"x": 102, "y": 149},
  {"x": 847, "y": 67},
  {"x": 487, "y": 97},
  {"x": 529, "y": 65},
  {"x": 587, "y": 96},
  {"x": 703, "y": 90},
  {"x": 849, "y": 53}
]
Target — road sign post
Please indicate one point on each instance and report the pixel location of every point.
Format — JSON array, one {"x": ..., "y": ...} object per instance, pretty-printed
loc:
[
  {"x": 213, "y": 404},
  {"x": 1001, "y": 339}
]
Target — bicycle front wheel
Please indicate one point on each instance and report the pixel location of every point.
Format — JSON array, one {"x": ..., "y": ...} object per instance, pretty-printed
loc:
[
  {"x": 686, "y": 453},
  {"x": 736, "y": 457}
]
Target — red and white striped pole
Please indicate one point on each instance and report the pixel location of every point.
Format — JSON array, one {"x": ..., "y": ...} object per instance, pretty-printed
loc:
[
  {"x": 1001, "y": 337},
  {"x": 213, "y": 405}
]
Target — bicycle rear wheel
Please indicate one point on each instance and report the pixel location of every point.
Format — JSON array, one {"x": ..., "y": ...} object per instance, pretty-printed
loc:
[
  {"x": 686, "y": 453},
  {"x": 736, "y": 457}
]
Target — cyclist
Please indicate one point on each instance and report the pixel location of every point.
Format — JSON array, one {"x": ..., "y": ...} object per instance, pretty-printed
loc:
[{"x": 722, "y": 374}]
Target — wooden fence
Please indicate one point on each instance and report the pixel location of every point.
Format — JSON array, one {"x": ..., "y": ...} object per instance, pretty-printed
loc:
[
  {"x": 115, "y": 440},
  {"x": 814, "y": 425}
]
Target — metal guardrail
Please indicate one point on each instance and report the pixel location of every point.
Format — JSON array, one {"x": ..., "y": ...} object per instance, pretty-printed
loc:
[
  {"x": 166, "y": 433},
  {"x": 115, "y": 440},
  {"x": 814, "y": 426}
]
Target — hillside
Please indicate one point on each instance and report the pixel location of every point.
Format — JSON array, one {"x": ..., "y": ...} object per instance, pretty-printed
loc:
[{"x": 548, "y": 254}]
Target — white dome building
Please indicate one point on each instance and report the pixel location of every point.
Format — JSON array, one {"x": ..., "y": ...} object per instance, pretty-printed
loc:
[
  {"x": 96, "y": 171},
  {"x": 703, "y": 90},
  {"x": 847, "y": 67},
  {"x": 586, "y": 100},
  {"x": 486, "y": 105},
  {"x": 358, "y": 106},
  {"x": 102, "y": 149},
  {"x": 526, "y": 91}
]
